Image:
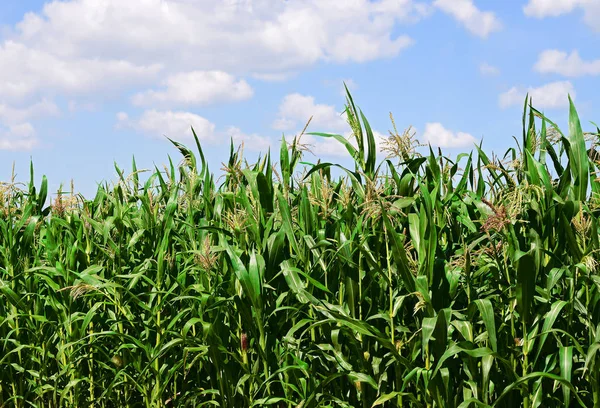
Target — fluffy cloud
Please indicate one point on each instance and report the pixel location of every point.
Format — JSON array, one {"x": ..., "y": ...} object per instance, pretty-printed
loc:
[
  {"x": 12, "y": 115},
  {"x": 480, "y": 23},
  {"x": 554, "y": 8},
  {"x": 296, "y": 109},
  {"x": 550, "y": 8},
  {"x": 359, "y": 48},
  {"x": 29, "y": 73},
  {"x": 252, "y": 142},
  {"x": 550, "y": 96},
  {"x": 80, "y": 48},
  {"x": 175, "y": 125},
  {"x": 20, "y": 136},
  {"x": 437, "y": 135},
  {"x": 235, "y": 36},
  {"x": 570, "y": 65},
  {"x": 486, "y": 69},
  {"x": 197, "y": 88},
  {"x": 16, "y": 130},
  {"x": 26, "y": 71}
]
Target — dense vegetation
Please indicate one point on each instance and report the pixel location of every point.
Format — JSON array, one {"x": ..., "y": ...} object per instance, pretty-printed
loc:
[{"x": 419, "y": 282}]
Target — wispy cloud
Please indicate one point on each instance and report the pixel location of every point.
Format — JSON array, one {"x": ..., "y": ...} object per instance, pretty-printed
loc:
[{"x": 486, "y": 69}]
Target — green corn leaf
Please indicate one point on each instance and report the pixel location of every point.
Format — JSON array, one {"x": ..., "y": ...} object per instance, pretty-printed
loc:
[
  {"x": 399, "y": 254},
  {"x": 526, "y": 275},
  {"x": 578, "y": 159},
  {"x": 566, "y": 367},
  {"x": 487, "y": 314}
]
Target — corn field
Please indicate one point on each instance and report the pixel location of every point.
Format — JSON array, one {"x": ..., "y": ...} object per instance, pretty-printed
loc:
[{"x": 415, "y": 281}]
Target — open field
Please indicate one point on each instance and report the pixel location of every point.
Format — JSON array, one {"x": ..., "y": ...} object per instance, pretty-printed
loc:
[{"x": 415, "y": 281}]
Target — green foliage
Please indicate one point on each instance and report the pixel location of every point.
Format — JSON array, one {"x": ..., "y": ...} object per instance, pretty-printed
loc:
[{"x": 425, "y": 282}]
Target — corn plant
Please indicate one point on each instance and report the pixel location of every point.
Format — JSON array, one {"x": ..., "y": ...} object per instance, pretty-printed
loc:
[{"x": 415, "y": 281}]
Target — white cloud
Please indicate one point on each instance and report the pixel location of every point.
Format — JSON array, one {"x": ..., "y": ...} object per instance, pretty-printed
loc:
[
  {"x": 197, "y": 88},
  {"x": 550, "y": 8},
  {"x": 437, "y": 135},
  {"x": 354, "y": 47},
  {"x": 18, "y": 137},
  {"x": 550, "y": 96},
  {"x": 175, "y": 125},
  {"x": 591, "y": 14},
  {"x": 480, "y": 23},
  {"x": 570, "y": 65},
  {"x": 554, "y": 8},
  {"x": 23, "y": 130},
  {"x": 283, "y": 124},
  {"x": 486, "y": 69},
  {"x": 25, "y": 71},
  {"x": 273, "y": 76},
  {"x": 12, "y": 115},
  {"x": 79, "y": 49},
  {"x": 252, "y": 142},
  {"x": 122, "y": 117},
  {"x": 16, "y": 132},
  {"x": 235, "y": 36},
  {"x": 296, "y": 109}
]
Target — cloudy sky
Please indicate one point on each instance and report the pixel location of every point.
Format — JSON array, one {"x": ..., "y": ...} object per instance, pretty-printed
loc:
[{"x": 86, "y": 83}]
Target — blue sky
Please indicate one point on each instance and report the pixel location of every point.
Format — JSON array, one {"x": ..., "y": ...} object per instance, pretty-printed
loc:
[{"x": 86, "y": 83}]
